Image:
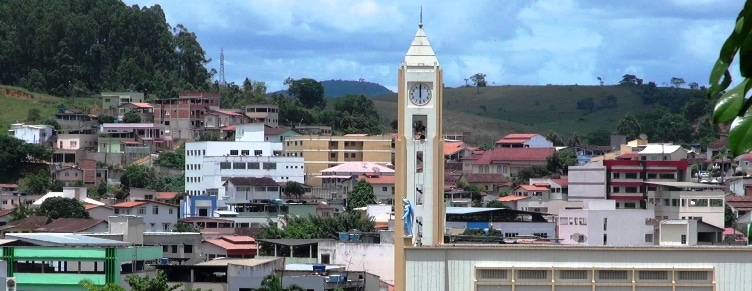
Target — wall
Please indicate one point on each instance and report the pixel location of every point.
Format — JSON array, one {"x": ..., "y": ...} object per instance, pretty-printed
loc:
[
  {"x": 587, "y": 182},
  {"x": 539, "y": 141},
  {"x": 76, "y": 141},
  {"x": 453, "y": 268},
  {"x": 33, "y": 134},
  {"x": 518, "y": 228},
  {"x": 623, "y": 227},
  {"x": 671, "y": 232},
  {"x": 250, "y": 276},
  {"x": 377, "y": 259}
]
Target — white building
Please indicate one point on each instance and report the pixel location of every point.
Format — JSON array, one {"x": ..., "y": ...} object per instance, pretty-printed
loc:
[
  {"x": 662, "y": 152},
  {"x": 587, "y": 181},
  {"x": 600, "y": 224},
  {"x": 524, "y": 140},
  {"x": 246, "y": 190},
  {"x": 34, "y": 134},
  {"x": 688, "y": 200},
  {"x": 157, "y": 216},
  {"x": 209, "y": 164}
]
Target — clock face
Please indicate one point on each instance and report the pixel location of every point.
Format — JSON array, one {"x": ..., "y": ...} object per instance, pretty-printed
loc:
[{"x": 420, "y": 94}]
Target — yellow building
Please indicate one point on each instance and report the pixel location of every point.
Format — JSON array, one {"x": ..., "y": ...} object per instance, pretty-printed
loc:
[{"x": 320, "y": 152}]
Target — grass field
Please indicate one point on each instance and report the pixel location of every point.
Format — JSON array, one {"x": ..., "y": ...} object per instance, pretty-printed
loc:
[
  {"x": 499, "y": 110},
  {"x": 16, "y": 102}
]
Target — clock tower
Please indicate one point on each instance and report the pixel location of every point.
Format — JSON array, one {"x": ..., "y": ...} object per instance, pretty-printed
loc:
[{"x": 419, "y": 155}]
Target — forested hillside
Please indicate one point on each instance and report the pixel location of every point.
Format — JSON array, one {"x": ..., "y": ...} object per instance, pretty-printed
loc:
[{"x": 80, "y": 47}]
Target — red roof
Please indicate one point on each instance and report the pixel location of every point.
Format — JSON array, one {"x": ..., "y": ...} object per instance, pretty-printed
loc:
[
  {"x": 226, "y": 112},
  {"x": 92, "y": 206},
  {"x": 514, "y": 141},
  {"x": 268, "y": 130},
  {"x": 70, "y": 225},
  {"x": 5, "y": 212},
  {"x": 141, "y": 105},
  {"x": 222, "y": 242},
  {"x": 243, "y": 239},
  {"x": 452, "y": 147},
  {"x": 731, "y": 231},
  {"x": 533, "y": 188},
  {"x": 746, "y": 157},
  {"x": 229, "y": 128},
  {"x": 515, "y": 154},
  {"x": 9, "y": 185},
  {"x": 562, "y": 182},
  {"x": 166, "y": 195},
  {"x": 511, "y": 198},
  {"x": 377, "y": 179},
  {"x": 742, "y": 203},
  {"x": 131, "y": 204},
  {"x": 520, "y": 136}
]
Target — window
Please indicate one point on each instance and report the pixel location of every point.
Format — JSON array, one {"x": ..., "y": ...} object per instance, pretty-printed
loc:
[
  {"x": 613, "y": 275},
  {"x": 245, "y": 152},
  {"x": 174, "y": 249},
  {"x": 573, "y": 274},
  {"x": 166, "y": 226},
  {"x": 716, "y": 202},
  {"x": 648, "y": 237},
  {"x": 233, "y": 152},
  {"x": 684, "y": 239},
  {"x": 652, "y": 176},
  {"x": 383, "y": 189},
  {"x": 225, "y": 165},
  {"x": 270, "y": 166},
  {"x": 332, "y": 155},
  {"x": 491, "y": 274},
  {"x": 253, "y": 166},
  {"x": 511, "y": 234},
  {"x": 532, "y": 274},
  {"x": 165, "y": 248},
  {"x": 325, "y": 258},
  {"x": 155, "y": 211},
  {"x": 188, "y": 249},
  {"x": 631, "y": 175},
  {"x": 653, "y": 275},
  {"x": 616, "y": 176},
  {"x": 167, "y": 122},
  {"x": 605, "y": 224},
  {"x": 257, "y": 152},
  {"x": 169, "y": 210},
  {"x": 240, "y": 166},
  {"x": 630, "y": 189},
  {"x": 693, "y": 275},
  {"x": 541, "y": 234},
  {"x": 142, "y": 210},
  {"x": 675, "y": 202},
  {"x": 630, "y": 205},
  {"x": 615, "y": 190},
  {"x": 605, "y": 239}
]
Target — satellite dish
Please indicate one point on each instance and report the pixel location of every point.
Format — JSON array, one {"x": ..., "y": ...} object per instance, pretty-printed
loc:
[
  {"x": 578, "y": 237},
  {"x": 643, "y": 136}
]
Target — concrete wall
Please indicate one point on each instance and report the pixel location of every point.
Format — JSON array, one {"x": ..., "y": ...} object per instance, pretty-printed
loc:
[
  {"x": 587, "y": 182},
  {"x": 539, "y": 141},
  {"x": 377, "y": 259},
  {"x": 76, "y": 141},
  {"x": 239, "y": 276},
  {"x": 623, "y": 227}
]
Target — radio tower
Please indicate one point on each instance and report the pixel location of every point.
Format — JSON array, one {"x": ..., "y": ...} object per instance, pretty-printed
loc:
[{"x": 222, "y": 66}]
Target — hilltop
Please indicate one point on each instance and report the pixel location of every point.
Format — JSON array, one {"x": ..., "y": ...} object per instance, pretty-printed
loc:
[
  {"x": 339, "y": 88},
  {"x": 16, "y": 103},
  {"x": 495, "y": 111}
]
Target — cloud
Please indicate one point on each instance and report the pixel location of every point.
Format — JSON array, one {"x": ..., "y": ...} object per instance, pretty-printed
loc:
[{"x": 512, "y": 42}]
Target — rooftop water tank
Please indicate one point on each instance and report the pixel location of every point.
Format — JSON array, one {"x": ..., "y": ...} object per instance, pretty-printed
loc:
[{"x": 319, "y": 269}]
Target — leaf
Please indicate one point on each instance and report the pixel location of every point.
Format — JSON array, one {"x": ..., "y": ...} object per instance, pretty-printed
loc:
[
  {"x": 740, "y": 135},
  {"x": 730, "y": 104}
]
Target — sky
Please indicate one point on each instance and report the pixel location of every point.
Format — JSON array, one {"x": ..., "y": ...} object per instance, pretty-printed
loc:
[{"x": 513, "y": 42}]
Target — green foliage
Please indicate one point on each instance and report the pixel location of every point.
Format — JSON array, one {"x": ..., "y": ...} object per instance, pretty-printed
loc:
[
  {"x": 339, "y": 88},
  {"x": 184, "y": 227},
  {"x": 729, "y": 217},
  {"x": 587, "y": 104},
  {"x": 274, "y": 283},
  {"x": 234, "y": 95},
  {"x": 52, "y": 122},
  {"x": 131, "y": 117},
  {"x": 574, "y": 140},
  {"x": 16, "y": 154},
  {"x": 172, "y": 159},
  {"x": 536, "y": 171},
  {"x": 208, "y": 137},
  {"x": 294, "y": 189},
  {"x": 629, "y": 127},
  {"x": 495, "y": 204},
  {"x": 554, "y": 138},
  {"x": 309, "y": 91},
  {"x": 733, "y": 104},
  {"x": 599, "y": 137},
  {"x": 357, "y": 115},
  {"x": 560, "y": 161},
  {"x": 361, "y": 195},
  {"x": 36, "y": 183},
  {"x": 630, "y": 80},
  {"x": 86, "y": 47},
  {"x": 106, "y": 119},
  {"x": 33, "y": 115},
  {"x": 21, "y": 211},
  {"x": 60, "y": 207},
  {"x": 158, "y": 283},
  {"x": 167, "y": 183},
  {"x": 136, "y": 176},
  {"x": 313, "y": 227},
  {"x": 89, "y": 285},
  {"x": 481, "y": 232}
]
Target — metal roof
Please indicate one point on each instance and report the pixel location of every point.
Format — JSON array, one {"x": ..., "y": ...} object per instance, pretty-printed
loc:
[
  {"x": 685, "y": 185},
  {"x": 242, "y": 262},
  {"x": 294, "y": 242},
  {"x": 65, "y": 239},
  {"x": 471, "y": 210}
]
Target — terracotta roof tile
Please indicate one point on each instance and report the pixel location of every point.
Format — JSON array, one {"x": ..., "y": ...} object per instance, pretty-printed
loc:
[
  {"x": 131, "y": 204},
  {"x": 452, "y": 147},
  {"x": 377, "y": 179},
  {"x": 562, "y": 182},
  {"x": 166, "y": 195},
  {"x": 231, "y": 246},
  {"x": 92, "y": 206},
  {"x": 239, "y": 239},
  {"x": 532, "y": 188},
  {"x": 229, "y": 128},
  {"x": 31, "y": 222},
  {"x": 268, "y": 130},
  {"x": 142, "y": 105},
  {"x": 511, "y": 198},
  {"x": 9, "y": 185},
  {"x": 70, "y": 225},
  {"x": 5, "y": 212}
]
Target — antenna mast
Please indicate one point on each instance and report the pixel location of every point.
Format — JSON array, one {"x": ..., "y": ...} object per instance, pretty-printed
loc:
[{"x": 222, "y": 66}]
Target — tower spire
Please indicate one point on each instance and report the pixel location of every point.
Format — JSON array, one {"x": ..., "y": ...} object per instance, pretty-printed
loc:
[{"x": 420, "y": 24}]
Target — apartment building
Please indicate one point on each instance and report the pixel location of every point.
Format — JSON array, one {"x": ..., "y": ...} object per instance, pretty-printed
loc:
[
  {"x": 598, "y": 223},
  {"x": 157, "y": 216},
  {"x": 267, "y": 114},
  {"x": 112, "y": 100},
  {"x": 76, "y": 121},
  {"x": 506, "y": 160},
  {"x": 142, "y": 138},
  {"x": 184, "y": 116},
  {"x": 323, "y": 151},
  {"x": 33, "y": 134},
  {"x": 687, "y": 201}
]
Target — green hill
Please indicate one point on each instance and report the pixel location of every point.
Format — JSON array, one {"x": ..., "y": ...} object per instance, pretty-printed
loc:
[
  {"x": 495, "y": 111},
  {"x": 16, "y": 103},
  {"x": 339, "y": 88}
]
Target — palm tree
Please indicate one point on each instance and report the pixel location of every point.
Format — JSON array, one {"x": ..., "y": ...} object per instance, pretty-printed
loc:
[
  {"x": 274, "y": 283},
  {"x": 723, "y": 154}
]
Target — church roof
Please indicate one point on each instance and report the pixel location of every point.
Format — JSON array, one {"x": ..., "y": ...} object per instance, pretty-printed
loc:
[{"x": 420, "y": 51}]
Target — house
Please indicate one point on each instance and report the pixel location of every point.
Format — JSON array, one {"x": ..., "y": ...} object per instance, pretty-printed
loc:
[
  {"x": 28, "y": 224},
  {"x": 383, "y": 186},
  {"x": 685, "y": 201},
  {"x": 33, "y": 134},
  {"x": 486, "y": 182},
  {"x": 69, "y": 176},
  {"x": 278, "y": 134},
  {"x": 245, "y": 190},
  {"x": 9, "y": 195},
  {"x": 75, "y": 121},
  {"x": 455, "y": 150},
  {"x": 222, "y": 274},
  {"x": 99, "y": 211},
  {"x": 157, "y": 216},
  {"x": 523, "y": 140},
  {"x": 334, "y": 176},
  {"x": 166, "y": 197},
  {"x": 145, "y": 111},
  {"x": 112, "y": 100},
  {"x": 133, "y": 138},
  {"x": 598, "y": 223},
  {"x": 314, "y": 130},
  {"x": 217, "y": 120},
  {"x": 74, "y": 142},
  {"x": 74, "y": 225},
  {"x": 267, "y": 114},
  {"x": 535, "y": 191},
  {"x": 229, "y": 246},
  {"x": 212, "y": 227},
  {"x": 688, "y": 232},
  {"x": 184, "y": 116},
  {"x": 508, "y": 161},
  {"x": 559, "y": 187},
  {"x": 5, "y": 216}
]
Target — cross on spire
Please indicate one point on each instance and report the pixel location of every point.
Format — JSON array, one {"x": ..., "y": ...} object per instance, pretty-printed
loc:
[{"x": 420, "y": 24}]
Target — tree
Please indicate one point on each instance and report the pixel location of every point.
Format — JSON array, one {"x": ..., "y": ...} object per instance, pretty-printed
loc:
[
  {"x": 733, "y": 104},
  {"x": 574, "y": 140},
  {"x": 361, "y": 195},
  {"x": 560, "y": 161},
  {"x": 36, "y": 183},
  {"x": 357, "y": 114},
  {"x": 599, "y": 137},
  {"x": 630, "y": 80},
  {"x": 294, "y": 189},
  {"x": 21, "y": 211},
  {"x": 536, "y": 171},
  {"x": 61, "y": 207},
  {"x": 184, "y": 227},
  {"x": 131, "y": 117},
  {"x": 172, "y": 159},
  {"x": 208, "y": 137},
  {"x": 89, "y": 285},
  {"x": 309, "y": 227},
  {"x": 495, "y": 204},
  {"x": 394, "y": 125},
  {"x": 629, "y": 127},
  {"x": 694, "y": 85},
  {"x": 554, "y": 138},
  {"x": 16, "y": 154},
  {"x": 52, "y": 122},
  {"x": 106, "y": 119},
  {"x": 677, "y": 82},
  {"x": 309, "y": 91},
  {"x": 587, "y": 104},
  {"x": 136, "y": 176},
  {"x": 158, "y": 283},
  {"x": 273, "y": 283},
  {"x": 600, "y": 80},
  {"x": 479, "y": 80},
  {"x": 729, "y": 217},
  {"x": 33, "y": 115}
]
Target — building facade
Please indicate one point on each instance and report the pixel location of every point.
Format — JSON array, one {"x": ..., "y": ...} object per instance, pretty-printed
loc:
[
  {"x": 157, "y": 216},
  {"x": 112, "y": 100},
  {"x": 184, "y": 116},
  {"x": 33, "y": 134},
  {"x": 600, "y": 224}
]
